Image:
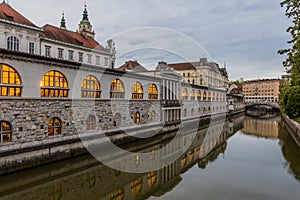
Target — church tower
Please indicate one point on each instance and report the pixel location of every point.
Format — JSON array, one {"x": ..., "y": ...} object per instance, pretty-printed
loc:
[
  {"x": 63, "y": 22},
  {"x": 85, "y": 27}
]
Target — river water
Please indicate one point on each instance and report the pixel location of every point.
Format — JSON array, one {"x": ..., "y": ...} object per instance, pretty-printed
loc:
[{"x": 249, "y": 158}]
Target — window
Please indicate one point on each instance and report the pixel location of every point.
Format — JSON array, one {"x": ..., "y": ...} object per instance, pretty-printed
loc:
[
  {"x": 152, "y": 92},
  {"x": 183, "y": 74},
  {"x": 91, "y": 123},
  {"x": 199, "y": 95},
  {"x": 191, "y": 155},
  {"x": 184, "y": 112},
  {"x": 71, "y": 55},
  {"x": 184, "y": 94},
  {"x": 47, "y": 51},
  {"x": 183, "y": 161},
  {"x": 204, "y": 96},
  {"x": 136, "y": 187},
  {"x": 80, "y": 57},
  {"x": 54, "y": 84},
  {"x": 153, "y": 116},
  {"x": 117, "y": 195},
  {"x": 97, "y": 60},
  {"x": 192, "y": 112},
  {"x": 60, "y": 53},
  {"x": 90, "y": 88},
  {"x": 5, "y": 132},
  {"x": 193, "y": 95},
  {"x": 10, "y": 82},
  {"x": 152, "y": 176},
  {"x": 13, "y": 43},
  {"x": 117, "y": 119},
  {"x": 31, "y": 48},
  {"x": 137, "y": 118},
  {"x": 137, "y": 91},
  {"x": 106, "y": 62},
  {"x": 89, "y": 58},
  {"x": 209, "y": 96},
  {"x": 54, "y": 127},
  {"x": 117, "y": 89}
]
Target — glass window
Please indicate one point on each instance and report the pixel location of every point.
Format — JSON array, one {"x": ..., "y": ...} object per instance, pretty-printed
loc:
[
  {"x": 137, "y": 118},
  {"x": 54, "y": 127},
  {"x": 136, "y": 187},
  {"x": 117, "y": 119},
  {"x": 31, "y": 48},
  {"x": 152, "y": 177},
  {"x": 13, "y": 43},
  {"x": 199, "y": 95},
  {"x": 90, "y": 88},
  {"x": 97, "y": 60},
  {"x": 117, "y": 195},
  {"x": 192, "y": 94},
  {"x": 209, "y": 96},
  {"x": 91, "y": 123},
  {"x": 137, "y": 91},
  {"x": 47, "y": 51},
  {"x": 80, "y": 57},
  {"x": 54, "y": 84},
  {"x": 106, "y": 62},
  {"x": 5, "y": 132},
  {"x": 60, "y": 53},
  {"x": 184, "y": 94},
  {"x": 117, "y": 89},
  {"x": 10, "y": 82},
  {"x": 152, "y": 92},
  {"x": 89, "y": 58},
  {"x": 71, "y": 55}
]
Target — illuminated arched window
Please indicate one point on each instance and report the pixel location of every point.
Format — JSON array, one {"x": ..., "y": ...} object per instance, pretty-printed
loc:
[
  {"x": 221, "y": 97},
  {"x": 117, "y": 89},
  {"x": 153, "y": 116},
  {"x": 192, "y": 94},
  {"x": 204, "y": 96},
  {"x": 152, "y": 176},
  {"x": 183, "y": 161},
  {"x": 191, "y": 155},
  {"x": 137, "y": 118},
  {"x": 204, "y": 110},
  {"x": 13, "y": 43},
  {"x": 184, "y": 94},
  {"x": 199, "y": 95},
  {"x": 90, "y": 88},
  {"x": 5, "y": 132},
  {"x": 209, "y": 110},
  {"x": 54, "y": 84},
  {"x": 136, "y": 187},
  {"x": 117, "y": 195},
  {"x": 54, "y": 127},
  {"x": 192, "y": 112},
  {"x": 10, "y": 82},
  {"x": 152, "y": 92},
  {"x": 213, "y": 96},
  {"x": 117, "y": 119},
  {"x": 199, "y": 111},
  {"x": 217, "y": 97},
  {"x": 198, "y": 152},
  {"x": 137, "y": 91},
  {"x": 91, "y": 122},
  {"x": 209, "y": 96}
]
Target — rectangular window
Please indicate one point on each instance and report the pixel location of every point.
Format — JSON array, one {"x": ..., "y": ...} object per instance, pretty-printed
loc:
[
  {"x": 31, "y": 47},
  {"x": 47, "y": 51},
  {"x": 71, "y": 55},
  {"x": 89, "y": 58},
  {"x": 106, "y": 61},
  {"x": 97, "y": 60},
  {"x": 80, "y": 57},
  {"x": 60, "y": 53}
]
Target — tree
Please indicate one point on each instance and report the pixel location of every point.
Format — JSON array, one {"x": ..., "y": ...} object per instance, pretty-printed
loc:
[
  {"x": 290, "y": 100},
  {"x": 292, "y": 62}
]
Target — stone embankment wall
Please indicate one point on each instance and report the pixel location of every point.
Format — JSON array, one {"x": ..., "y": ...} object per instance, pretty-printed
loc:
[{"x": 293, "y": 128}]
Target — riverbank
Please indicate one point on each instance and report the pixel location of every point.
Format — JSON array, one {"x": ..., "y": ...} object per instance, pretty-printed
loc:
[{"x": 293, "y": 128}]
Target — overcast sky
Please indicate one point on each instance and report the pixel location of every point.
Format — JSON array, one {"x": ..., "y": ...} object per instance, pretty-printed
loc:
[{"x": 244, "y": 34}]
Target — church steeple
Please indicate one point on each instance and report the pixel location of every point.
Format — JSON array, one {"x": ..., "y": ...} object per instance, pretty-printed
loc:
[
  {"x": 85, "y": 27},
  {"x": 63, "y": 21}
]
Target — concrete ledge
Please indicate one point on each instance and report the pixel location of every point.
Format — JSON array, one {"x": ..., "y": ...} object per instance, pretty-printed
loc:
[{"x": 293, "y": 127}]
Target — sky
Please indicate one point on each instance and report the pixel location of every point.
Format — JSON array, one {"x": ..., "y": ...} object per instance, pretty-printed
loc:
[{"x": 244, "y": 35}]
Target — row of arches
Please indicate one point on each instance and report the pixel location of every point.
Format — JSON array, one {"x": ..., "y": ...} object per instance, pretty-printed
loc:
[
  {"x": 194, "y": 112},
  {"x": 202, "y": 95},
  {"x": 55, "y": 84}
]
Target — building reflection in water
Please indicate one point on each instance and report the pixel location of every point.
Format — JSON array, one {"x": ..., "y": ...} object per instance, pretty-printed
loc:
[{"x": 85, "y": 178}]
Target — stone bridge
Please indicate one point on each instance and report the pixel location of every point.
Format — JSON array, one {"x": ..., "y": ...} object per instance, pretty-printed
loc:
[{"x": 261, "y": 104}]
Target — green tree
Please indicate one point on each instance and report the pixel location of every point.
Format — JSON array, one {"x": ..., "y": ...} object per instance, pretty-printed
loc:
[
  {"x": 290, "y": 101},
  {"x": 292, "y": 62}
]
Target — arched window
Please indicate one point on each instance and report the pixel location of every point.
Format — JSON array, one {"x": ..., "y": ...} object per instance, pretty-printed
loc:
[
  {"x": 91, "y": 123},
  {"x": 54, "y": 126},
  {"x": 209, "y": 110},
  {"x": 5, "y": 132},
  {"x": 136, "y": 187},
  {"x": 204, "y": 110},
  {"x": 90, "y": 88},
  {"x": 198, "y": 152},
  {"x": 204, "y": 96},
  {"x": 153, "y": 116},
  {"x": 199, "y": 111},
  {"x": 137, "y": 91},
  {"x": 13, "y": 43},
  {"x": 152, "y": 92},
  {"x": 192, "y": 94},
  {"x": 209, "y": 96},
  {"x": 117, "y": 195},
  {"x": 152, "y": 176},
  {"x": 117, "y": 90},
  {"x": 184, "y": 112},
  {"x": 117, "y": 119},
  {"x": 137, "y": 118},
  {"x": 183, "y": 161},
  {"x": 191, "y": 155},
  {"x": 213, "y": 96},
  {"x": 10, "y": 82},
  {"x": 184, "y": 94},
  {"x": 217, "y": 97},
  {"x": 199, "y": 95},
  {"x": 192, "y": 112},
  {"x": 54, "y": 84}
]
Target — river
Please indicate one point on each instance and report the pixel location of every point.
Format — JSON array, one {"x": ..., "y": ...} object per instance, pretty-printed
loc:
[{"x": 249, "y": 158}]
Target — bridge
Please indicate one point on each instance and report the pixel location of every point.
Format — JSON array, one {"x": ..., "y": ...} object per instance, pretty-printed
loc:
[{"x": 262, "y": 104}]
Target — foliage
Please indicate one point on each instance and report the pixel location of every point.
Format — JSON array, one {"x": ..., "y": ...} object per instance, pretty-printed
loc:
[
  {"x": 290, "y": 101},
  {"x": 237, "y": 82},
  {"x": 292, "y": 62}
]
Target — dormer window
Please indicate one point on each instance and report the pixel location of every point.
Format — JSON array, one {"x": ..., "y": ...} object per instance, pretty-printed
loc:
[{"x": 10, "y": 18}]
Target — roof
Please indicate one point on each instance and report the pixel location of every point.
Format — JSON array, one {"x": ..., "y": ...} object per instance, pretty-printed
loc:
[
  {"x": 10, "y": 14},
  {"x": 182, "y": 66},
  {"x": 131, "y": 65},
  {"x": 66, "y": 36}
]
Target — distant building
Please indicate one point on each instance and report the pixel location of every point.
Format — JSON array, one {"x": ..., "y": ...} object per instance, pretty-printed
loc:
[{"x": 266, "y": 90}]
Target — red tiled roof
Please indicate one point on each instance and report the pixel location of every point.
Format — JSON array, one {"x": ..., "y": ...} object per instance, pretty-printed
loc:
[
  {"x": 182, "y": 66},
  {"x": 129, "y": 65},
  {"x": 10, "y": 14},
  {"x": 62, "y": 35}
]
